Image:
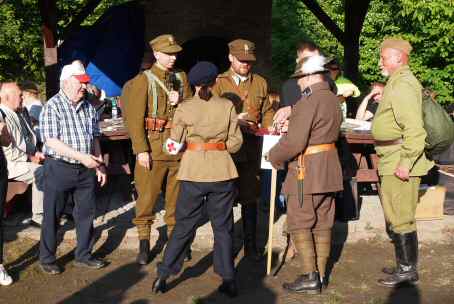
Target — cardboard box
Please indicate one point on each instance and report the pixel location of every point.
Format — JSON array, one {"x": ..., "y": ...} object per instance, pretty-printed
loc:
[{"x": 430, "y": 206}]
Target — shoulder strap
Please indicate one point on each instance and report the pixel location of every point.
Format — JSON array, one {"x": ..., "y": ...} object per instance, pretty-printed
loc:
[
  {"x": 179, "y": 76},
  {"x": 153, "y": 90}
]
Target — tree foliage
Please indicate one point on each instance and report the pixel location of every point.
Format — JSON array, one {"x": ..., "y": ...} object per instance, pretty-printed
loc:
[
  {"x": 21, "y": 45},
  {"x": 428, "y": 25}
]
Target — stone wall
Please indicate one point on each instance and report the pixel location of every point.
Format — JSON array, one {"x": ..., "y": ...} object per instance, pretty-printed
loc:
[{"x": 207, "y": 25}]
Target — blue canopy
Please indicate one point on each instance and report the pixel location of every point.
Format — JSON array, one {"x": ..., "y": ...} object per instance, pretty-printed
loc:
[{"x": 112, "y": 48}]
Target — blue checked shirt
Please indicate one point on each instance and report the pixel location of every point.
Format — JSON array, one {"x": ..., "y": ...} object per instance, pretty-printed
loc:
[{"x": 75, "y": 126}]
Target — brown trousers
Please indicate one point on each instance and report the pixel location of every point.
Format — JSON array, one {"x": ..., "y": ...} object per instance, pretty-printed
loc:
[
  {"x": 149, "y": 184},
  {"x": 315, "y": 214}
]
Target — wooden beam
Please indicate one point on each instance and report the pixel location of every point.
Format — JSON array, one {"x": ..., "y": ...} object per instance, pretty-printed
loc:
[
  {"x": 74, "y": 25},
  {"x": 48, "y": 12},
  {"x": 329, "y": 24}
]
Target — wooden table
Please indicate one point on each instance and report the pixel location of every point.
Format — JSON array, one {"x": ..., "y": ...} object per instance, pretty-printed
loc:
[
  {"x": 360, "y": 165},
  {"x": 116, "y": 147},
  {"x": 112, "y": 130},
  {"x": 361, "y": 144}
]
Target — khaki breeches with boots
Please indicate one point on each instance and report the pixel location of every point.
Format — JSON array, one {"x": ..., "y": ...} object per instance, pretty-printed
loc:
[
  {"x": 310, "y": 226},
  {"x": 149, "y": 184}
]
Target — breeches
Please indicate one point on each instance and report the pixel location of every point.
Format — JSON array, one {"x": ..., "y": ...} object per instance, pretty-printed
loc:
[
  {"x": 149, "y": 184},
  {"x": 316, "y": 212},
  {"x": 399, "y": 201}
]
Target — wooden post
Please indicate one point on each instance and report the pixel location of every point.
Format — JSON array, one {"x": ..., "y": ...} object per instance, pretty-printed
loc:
[
  {"x": 271, "y": 220},
  {"x": 48, "y": 11}
]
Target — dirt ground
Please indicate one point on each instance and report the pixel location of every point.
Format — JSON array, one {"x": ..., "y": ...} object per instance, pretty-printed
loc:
[{"x": 352, "y": 280}]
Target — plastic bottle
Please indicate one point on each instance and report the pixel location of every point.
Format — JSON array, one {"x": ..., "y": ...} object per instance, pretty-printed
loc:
[{"x": 114, "y": 109}]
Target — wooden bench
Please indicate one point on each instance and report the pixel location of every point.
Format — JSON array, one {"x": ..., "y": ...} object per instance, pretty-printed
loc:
[{"x": 14, "y": 188}]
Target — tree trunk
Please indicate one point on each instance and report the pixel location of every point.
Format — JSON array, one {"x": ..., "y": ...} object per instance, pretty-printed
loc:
[{"x": 355, "y": 13}]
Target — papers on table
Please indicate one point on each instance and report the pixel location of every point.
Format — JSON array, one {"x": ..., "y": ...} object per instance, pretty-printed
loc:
[{"x": 356, "y": 124}]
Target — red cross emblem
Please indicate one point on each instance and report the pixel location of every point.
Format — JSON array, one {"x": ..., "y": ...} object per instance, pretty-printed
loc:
[{"x": 171, "y": 147}]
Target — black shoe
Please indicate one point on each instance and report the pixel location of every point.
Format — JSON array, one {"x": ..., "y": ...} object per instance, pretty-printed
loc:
[
  {"x": 407, "y": 259},
  {"x": 306, "y": 283},
  {"x": 144, "y": 252},
  {"x": 159, "y": 285},
  {"x": 52, "y": 268},
  {"x": 228, "y": 287},
  {"x": 91, "y": 263}
]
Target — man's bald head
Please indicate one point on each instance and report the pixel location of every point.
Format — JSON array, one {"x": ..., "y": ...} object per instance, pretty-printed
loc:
[{"x": 11, "y": 95}]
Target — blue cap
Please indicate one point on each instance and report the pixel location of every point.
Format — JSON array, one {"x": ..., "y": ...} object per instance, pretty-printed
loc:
[{"x": 203, "y": 73}]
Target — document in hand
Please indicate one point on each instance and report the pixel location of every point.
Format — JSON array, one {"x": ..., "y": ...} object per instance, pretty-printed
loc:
[{"x": 268, "y": 142}]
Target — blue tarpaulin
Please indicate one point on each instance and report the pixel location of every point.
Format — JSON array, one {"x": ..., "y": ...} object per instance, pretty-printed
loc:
[{"x": 112, "y": 48}]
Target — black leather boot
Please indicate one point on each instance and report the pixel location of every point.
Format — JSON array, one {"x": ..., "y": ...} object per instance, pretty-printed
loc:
[
  {"x": 397, "y": 252},
  {"x": 406, "y": 258},
  {"x": 306, "y": 283},
  {"x": 249, "y": 217},
  {"x": 144, "y": 252},
  {"x": 159, "y": 285},
  {"x": 228, "y": 287}
]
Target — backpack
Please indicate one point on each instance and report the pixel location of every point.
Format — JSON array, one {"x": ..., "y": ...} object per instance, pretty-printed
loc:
[{"x": 438, "y": 125}]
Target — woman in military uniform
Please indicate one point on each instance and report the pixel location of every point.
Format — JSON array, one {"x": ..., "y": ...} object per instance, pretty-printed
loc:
[{"x": 207, "y": 126}]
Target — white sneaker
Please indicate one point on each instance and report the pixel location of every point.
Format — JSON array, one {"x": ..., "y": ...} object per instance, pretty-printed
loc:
[{"x": 5, "y": 278}]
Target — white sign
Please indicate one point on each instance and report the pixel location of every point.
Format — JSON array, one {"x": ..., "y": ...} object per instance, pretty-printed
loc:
[{"x": 269, "y": 141}]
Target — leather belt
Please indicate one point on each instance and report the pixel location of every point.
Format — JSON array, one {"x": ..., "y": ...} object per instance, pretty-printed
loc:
[
  {"x": 157, "y": 124},
  {"x": 384, "y": 143},
  {"x": 314, "y": 149},
  {"x": 219, "y": 146}
]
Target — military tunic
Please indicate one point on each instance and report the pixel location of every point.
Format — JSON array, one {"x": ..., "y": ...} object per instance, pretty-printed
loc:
[
  {"x": 399, "y": 116},
  {"x": 139, "y": 105},
  {"x": 315, "y": 120},
  {"x": 251, "y": 97},
  {"x": 206, "y": 179}
]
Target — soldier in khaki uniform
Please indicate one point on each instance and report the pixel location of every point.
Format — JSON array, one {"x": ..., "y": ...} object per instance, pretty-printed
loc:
[
  {"x": 207, "y": 124},
  {"x": 313, "y": 163},
  {"x": 151, "y": 99},
  {"x": 249, "y": 94},
  {"x": 399, "y": 134}
]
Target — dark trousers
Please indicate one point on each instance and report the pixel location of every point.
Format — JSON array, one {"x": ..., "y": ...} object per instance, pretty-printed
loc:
[
  {"x": 3, "y": 189},
  {"x": 61, "y": 180},
  {"x": 189, "y": 211}
]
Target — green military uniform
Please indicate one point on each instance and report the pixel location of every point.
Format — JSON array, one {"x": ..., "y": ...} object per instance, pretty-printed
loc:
[
  {"x": 399, "y": 134},
  {"x": 399, "y": 115},
  {"x": 141, "y": 103},
  {"x": 249, "y": 95}
]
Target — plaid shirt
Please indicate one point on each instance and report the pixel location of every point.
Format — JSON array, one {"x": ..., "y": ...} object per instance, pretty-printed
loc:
[{"x": 75, "y": 126}]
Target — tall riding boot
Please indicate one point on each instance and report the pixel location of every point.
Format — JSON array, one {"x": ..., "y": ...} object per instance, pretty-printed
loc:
[
  {"x": 406, "y": 259},
  {"x": 309, "y": 281},
  {"x": 397, "y": 253},
  {"x": 322, "y": 241},
  {"x": 249, "y": 217},
  {"x": 144, "y": 252}
]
